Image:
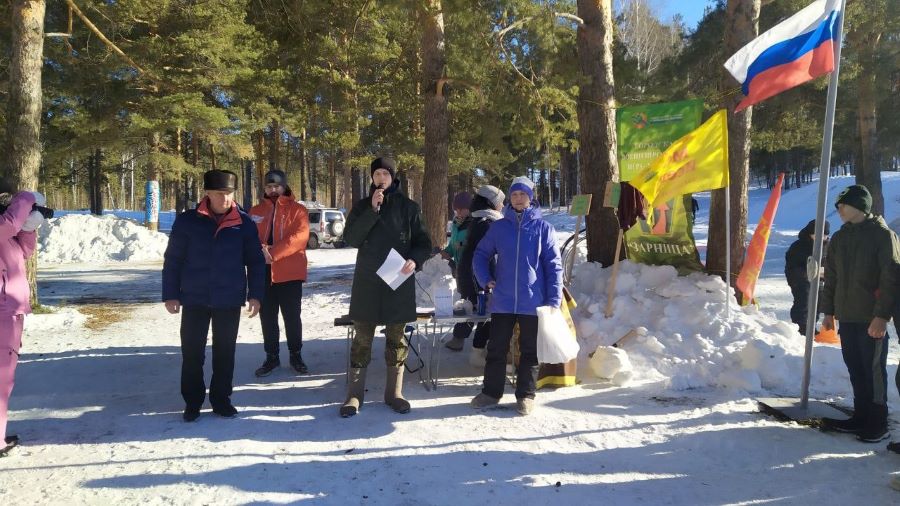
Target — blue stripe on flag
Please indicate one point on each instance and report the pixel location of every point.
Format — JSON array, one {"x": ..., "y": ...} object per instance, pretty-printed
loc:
[{"x": 792, "y": 49}]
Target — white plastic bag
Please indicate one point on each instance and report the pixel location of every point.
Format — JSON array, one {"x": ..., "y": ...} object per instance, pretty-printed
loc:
[{"x": 555, "y": 342}]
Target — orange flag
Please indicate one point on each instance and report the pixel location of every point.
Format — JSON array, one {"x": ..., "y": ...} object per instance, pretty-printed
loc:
[{"x": 756, "y": 252}]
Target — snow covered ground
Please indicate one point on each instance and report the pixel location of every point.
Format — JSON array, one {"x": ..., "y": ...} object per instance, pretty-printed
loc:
[{"x": 99, "y": 413}]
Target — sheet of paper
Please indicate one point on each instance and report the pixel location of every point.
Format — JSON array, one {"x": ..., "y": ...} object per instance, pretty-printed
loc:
[{"x": 390, "y": 270}]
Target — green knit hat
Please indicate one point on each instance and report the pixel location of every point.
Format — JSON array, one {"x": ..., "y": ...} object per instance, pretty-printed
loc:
[{"x": 857, "y": 196}]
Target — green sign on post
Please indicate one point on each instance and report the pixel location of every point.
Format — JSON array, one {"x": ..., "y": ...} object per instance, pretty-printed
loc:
[{"x": 581, "y": 205}]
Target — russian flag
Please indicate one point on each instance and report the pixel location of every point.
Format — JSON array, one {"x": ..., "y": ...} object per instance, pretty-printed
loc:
[{"x": 794, "y": 51}]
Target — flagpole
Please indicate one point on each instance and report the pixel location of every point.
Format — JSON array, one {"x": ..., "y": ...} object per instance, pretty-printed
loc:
[
  {"x": 813, "y": 262},
  {"x": 728, "y": 247}
]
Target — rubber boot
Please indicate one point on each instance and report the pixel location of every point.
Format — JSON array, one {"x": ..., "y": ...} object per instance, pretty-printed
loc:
[
  {"x": 393, "y": 394},
  {"x": 356, "y": 392}
]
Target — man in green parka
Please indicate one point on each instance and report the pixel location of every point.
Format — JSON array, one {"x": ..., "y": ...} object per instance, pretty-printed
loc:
[
  {"x": 384, "y": 220},
  {"x": 860, "y": 283}
]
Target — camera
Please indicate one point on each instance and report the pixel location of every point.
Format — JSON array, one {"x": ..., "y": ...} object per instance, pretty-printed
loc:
[{"x": 46, "y": 212}]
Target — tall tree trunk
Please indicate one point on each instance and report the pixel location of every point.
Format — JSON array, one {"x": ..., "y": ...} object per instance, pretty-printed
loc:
[
  {"x": 259, "y": 140},
  {"x": 597, "y": 124},
  {"x": 437, "y": 120},
  {"x": 23, "y": 118},
  {"x": 313, "y": 175},
  {"x": 865, "y": 38},
  {"x": 344, "y": 173},
  {"x": 181, "y": 191},
  {"x": 301, "y": 155},
  {"x": 212, "y": 156},
  {"x": 741, "y": 26},
  {"x": 332, "y": 162},
  {"x": 23, "y": 128},
  {"x": 275, "y": 145},
  {"x": 95, "y": 182}
]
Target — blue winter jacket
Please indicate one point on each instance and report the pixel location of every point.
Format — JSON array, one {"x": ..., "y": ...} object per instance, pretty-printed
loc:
[
  {"x": 528, "y": 272},
  {"x": 211, "y": 264}
]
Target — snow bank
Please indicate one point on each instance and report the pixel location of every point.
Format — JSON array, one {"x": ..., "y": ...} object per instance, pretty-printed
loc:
[
  {"x": 88, "y": 238},
  {"x": 684, "y": 337}
]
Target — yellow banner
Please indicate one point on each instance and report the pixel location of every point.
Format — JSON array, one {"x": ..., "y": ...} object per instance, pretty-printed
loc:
[{"x": 694, "y": 163}]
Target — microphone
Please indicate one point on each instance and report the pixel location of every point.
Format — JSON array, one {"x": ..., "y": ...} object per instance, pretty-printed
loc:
[{"x": 378, "y": 207}]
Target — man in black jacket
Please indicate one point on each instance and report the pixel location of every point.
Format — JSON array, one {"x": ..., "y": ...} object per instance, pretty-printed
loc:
[
  {"x": 484, "y": 210},
  {"x": 795, "y": 270},
  {"x": 384, "y": 220}
]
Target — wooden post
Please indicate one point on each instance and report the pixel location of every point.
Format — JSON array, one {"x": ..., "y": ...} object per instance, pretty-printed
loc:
[
  {"x": 611, "y": 289},
  {"x": 611, "y": 196}
]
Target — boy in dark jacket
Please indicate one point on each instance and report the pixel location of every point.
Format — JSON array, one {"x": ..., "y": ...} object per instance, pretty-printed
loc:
[
  {"x": 384, "y": 220},
  {"x": 795, "y": 270},
  {"x": 860, "y": 280},
  {"x": 213, "y": 257},
  {"x": 485, "y": 209}
]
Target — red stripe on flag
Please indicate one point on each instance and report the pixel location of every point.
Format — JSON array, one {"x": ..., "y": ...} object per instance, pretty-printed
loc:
[{"x": 773, "y": 81}]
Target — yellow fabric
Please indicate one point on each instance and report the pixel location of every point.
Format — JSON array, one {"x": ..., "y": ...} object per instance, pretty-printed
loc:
[
  {"x": 567, "y": 376},
  {"x": 696, "y": 162}
]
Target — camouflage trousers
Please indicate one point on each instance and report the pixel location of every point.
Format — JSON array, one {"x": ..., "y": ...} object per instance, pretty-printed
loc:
[{"x": 395, "y": 349}]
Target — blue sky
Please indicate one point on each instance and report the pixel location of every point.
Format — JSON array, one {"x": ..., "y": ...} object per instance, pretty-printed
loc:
[{"x": 691, "y": 10}]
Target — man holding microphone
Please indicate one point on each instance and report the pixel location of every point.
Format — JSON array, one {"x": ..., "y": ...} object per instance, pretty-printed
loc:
[{"x": 384, "y": 220}]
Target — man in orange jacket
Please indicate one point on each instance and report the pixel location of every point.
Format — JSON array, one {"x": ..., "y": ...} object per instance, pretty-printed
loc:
[{"x": 283, "y": 225}]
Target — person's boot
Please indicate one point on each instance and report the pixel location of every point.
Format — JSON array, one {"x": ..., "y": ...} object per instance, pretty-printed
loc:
[
  {"x": 10, "y": 442},
  {"x": 272, "y": 362},
  {"x": 297, "y": 363},
  {"x": 356, "y": 392},
  {"x": 191, "y": 414},
  {"x": 851, "y": 425},
  {"x": 393, "y": 390},
  {"x": 875, "y": 428}
]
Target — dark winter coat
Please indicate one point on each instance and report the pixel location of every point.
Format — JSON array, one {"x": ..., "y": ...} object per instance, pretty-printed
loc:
[
  {"x": 213, "y": 264},
  {"x": 465, "y": 277},
  {"x": 861, "y": 272},
  {"x": 529, "y": 268},
  {"x": 797, "y": 253},
  {"x": 398, "y": 225}
]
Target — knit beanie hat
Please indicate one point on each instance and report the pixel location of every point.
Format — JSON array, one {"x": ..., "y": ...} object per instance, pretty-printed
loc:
[
  {"x": 222, "y": 180},
  {"x": 462, "y": 200},
  {"x": 492, "y": 194},
  {"x": 276, "y": 176},
  {"x": 523, "y": 184},
  {"x": 384, "y": 163},
  {"x": 857, "y": 196}
]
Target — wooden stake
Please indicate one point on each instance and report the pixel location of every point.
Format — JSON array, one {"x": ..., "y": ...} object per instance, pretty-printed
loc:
[{"x": 611, "y": 290}]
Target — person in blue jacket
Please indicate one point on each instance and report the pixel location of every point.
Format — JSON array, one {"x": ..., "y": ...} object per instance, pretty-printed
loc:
[
  {"x": 213, "y": 265},
  {"x": 528, "y": 274}
]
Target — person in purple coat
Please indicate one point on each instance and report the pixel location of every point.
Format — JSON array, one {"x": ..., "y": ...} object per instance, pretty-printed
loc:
[{"x": 528, "y": 274}]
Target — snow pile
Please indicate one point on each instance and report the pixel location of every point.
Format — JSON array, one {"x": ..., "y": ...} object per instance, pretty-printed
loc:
[
  {"x": 612, "y": 364},
  {"x": 435, "y": 277},
  {"x": 88, "y": 238},
  {"x": 684, "y": 337}
]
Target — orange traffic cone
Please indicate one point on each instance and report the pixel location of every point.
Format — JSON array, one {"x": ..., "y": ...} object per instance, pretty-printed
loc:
[{"x": 828, "y": 336}]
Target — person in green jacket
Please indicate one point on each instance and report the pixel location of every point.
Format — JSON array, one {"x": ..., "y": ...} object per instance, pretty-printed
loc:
[
  {"x": 860, "y": 283},
  {"x": 459, "y": 230},
  {"x": 384, "y": 220},
  {"x": 459, "y": 234}
]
